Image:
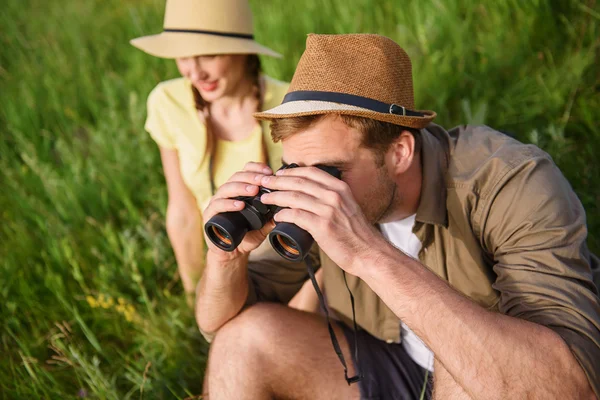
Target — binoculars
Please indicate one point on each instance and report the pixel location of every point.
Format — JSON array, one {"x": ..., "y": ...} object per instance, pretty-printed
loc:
[{"x": 227, "y": 230}]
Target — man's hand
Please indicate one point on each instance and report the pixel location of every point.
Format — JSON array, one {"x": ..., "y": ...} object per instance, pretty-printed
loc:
[
  {"x": 223, "y": 288},
  {"x": 324, "y": 206},
  {"x": 242, "y": 183}
]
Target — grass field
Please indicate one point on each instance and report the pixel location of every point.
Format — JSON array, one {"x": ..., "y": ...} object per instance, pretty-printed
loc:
[{"x": 90, "y": 303}]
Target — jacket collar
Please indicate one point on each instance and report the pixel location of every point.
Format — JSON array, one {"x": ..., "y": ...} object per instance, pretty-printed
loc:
[{"x": 435, "y": 151}]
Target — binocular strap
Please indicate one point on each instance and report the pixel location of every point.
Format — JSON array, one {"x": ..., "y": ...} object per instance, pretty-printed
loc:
[{"x": 334, "y": 341}]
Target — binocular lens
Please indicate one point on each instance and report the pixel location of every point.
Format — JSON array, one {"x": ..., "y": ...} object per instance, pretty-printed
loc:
[
  {"x": 221, "y": 235},
  {"x": 290, "y": 241},
  {"x": 226, "y": 230},
  {"x": 288, "y": 246}
]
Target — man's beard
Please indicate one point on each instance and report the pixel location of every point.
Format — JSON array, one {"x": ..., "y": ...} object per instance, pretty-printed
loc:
[{"x": 381, "y": 201}]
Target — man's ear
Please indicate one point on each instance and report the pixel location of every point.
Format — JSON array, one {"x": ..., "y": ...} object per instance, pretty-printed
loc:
[{"x": 402, "y": 152}]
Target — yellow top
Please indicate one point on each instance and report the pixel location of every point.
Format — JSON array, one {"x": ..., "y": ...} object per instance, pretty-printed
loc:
[{"x": 173, "y": 123}]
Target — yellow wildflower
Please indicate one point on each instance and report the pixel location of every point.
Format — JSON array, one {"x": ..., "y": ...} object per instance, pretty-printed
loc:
[
  {"x": 91, "y": 301},
  {"x": 106, "y": 303},
  {"x": 128, "y": 316},
  {"x": 122, "y": 306}
]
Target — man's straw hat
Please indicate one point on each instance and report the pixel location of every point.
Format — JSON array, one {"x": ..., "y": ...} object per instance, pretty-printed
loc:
[
  {"x": 204, "y": 27},
  {"x": 359, "y": 74}
]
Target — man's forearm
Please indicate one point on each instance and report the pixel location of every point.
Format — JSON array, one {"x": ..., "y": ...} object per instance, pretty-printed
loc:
[
  {"x": 221, "y": 292},
  {"x": 490, "y": 355},
  {"x": 445, "y": 387}
]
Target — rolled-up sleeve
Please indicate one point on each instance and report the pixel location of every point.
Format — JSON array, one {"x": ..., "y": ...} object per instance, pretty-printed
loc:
[{"x": 535, "y": 226}]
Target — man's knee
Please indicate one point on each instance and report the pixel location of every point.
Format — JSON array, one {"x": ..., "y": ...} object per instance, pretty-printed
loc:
[{"x": 250, "y": 332}]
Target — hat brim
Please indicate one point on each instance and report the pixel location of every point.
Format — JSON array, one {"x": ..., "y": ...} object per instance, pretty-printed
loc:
[
  {"x": 315, "y": 107},
  {"x": 182, "y": 44}
]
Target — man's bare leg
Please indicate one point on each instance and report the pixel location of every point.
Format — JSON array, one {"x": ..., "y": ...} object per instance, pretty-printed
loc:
[
  {"x": 205, "y": 384},
  {"x": 271, "y": 351}
]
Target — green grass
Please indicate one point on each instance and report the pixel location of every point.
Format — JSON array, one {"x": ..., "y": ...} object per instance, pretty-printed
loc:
[{"x": 90, "y": 303}]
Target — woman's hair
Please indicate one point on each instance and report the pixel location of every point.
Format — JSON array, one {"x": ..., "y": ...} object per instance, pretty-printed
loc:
[
  {"x": 253, "y": 69},
  {"x": 376, "y": 135}
]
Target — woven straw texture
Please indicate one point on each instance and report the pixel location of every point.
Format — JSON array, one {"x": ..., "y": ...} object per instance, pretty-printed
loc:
[{"x": 365, "y": 65}]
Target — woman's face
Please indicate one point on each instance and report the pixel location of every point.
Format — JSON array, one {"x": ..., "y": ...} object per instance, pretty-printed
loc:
[{"x": 214, "y": 76}]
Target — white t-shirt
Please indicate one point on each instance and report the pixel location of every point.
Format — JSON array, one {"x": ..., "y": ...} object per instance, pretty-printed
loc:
[{"x": 400, "y": 234}]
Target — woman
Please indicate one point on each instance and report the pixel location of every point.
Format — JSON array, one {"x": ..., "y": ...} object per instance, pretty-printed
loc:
[{"x": 203, "y": 121}]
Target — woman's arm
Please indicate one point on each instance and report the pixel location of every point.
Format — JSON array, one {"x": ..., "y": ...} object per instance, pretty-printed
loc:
[{"x": 184, "y": 223}]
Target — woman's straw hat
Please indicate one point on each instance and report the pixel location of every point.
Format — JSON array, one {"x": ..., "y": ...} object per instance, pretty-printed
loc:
[
  {"x": 359, "y": 74},
  {"x": 204, "y": 27}
]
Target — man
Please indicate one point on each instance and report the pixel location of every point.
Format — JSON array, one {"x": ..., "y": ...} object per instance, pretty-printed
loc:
[{"x": 464, "y": 249}]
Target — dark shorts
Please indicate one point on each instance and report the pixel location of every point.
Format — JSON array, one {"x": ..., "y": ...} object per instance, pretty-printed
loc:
[{"x": 388, "y": 372}]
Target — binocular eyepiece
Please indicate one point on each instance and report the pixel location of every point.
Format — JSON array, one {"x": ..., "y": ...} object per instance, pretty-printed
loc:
[{"x": 227, "y": 230}]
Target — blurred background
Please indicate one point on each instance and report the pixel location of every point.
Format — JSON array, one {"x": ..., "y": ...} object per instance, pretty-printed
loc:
[{"x": 90, "y": 302}]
